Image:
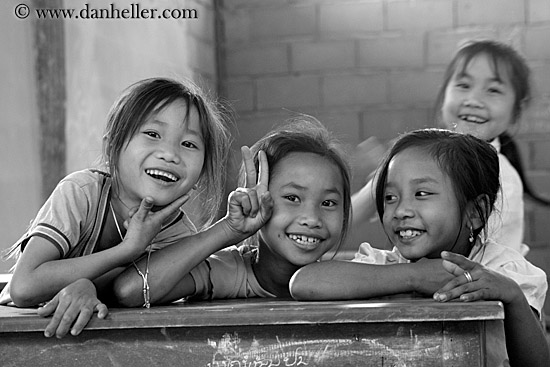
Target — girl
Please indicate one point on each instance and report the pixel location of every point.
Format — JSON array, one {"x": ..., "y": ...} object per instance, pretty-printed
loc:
[
  {"x": 309, "y": 189},
  {"x": 435, "y": 191},
  {"x": 163, "y": 138},
  {"x": 485, "y": 89}
]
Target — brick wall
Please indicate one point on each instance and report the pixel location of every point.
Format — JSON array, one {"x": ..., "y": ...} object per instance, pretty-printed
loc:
[{"x": 373, "y": 68}]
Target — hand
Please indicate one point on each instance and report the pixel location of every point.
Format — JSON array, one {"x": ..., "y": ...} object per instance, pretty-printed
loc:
[
  {"x": 367, "y": 156},
  {"x": 250, "y": 207},
  {"x": 77, "y": 301},
  {"x": 431, "y": 275},
  {"x": 485, "y": 284},
  {"x": 144, "y": 225}
]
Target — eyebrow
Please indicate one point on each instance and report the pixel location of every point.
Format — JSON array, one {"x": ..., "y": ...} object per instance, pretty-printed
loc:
[
  {"x": 465, "y": 74},
  {"x": 303, "y": 188},
  {"x": 191, "y": 131},
  {"x": 418, "y": 181}
]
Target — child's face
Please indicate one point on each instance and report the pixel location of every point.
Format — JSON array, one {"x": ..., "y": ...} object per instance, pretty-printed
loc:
[
  {"x": 421, "y": 213},
  {"x": 164, "y": 158},
  {"x": 477, "y": 103},
  {"x": 307, "y": 190}
]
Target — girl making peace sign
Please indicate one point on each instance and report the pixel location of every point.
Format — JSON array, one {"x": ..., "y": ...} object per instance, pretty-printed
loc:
[{"x": 303, "y": 215}]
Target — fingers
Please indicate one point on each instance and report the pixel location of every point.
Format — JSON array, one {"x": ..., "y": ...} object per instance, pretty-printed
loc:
[
  {"x": 456, "y": 263},
  {"x": 266, "y": 207},
  {"x": 263, "y": 179},
  {"x": 249, "y": 168},
  {"x": 248, "y": 201}
]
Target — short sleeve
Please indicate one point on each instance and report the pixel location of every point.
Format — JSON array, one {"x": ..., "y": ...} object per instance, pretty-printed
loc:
[
  {"x": 62, "y": 218},
  {"x": 369, "y": 255}
]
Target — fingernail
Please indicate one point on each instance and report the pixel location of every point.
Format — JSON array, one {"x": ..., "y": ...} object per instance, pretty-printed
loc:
[{"x": 47, "y": 334}]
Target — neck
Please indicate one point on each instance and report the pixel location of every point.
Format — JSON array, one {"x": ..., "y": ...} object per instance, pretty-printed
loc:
[{"x": 273, "y": 272}]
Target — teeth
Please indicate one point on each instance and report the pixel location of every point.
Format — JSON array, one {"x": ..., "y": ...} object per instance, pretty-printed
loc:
[
  {"x": 303, "y": 239},
  {"x": 166, "y": 176},
  {"x": 409, "y": 233},
  {"x": 474, "y": 119}
]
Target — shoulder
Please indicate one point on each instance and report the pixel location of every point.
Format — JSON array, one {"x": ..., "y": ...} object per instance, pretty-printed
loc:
[{"x": 86, "y": 177}]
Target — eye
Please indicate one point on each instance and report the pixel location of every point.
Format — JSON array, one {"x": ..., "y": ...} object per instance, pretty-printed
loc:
[
  {"x": 152, "y": 134},
  {"x": 423, "y": 193},
  {"x": 292, "y": 198},
  {"x": 188, "y": 144},
  {"x": 390, "y": 198},
  {"x": 462, "y": 85},
  {"x": 494, "y": 90},
  {"x": 329, "y": 203}
]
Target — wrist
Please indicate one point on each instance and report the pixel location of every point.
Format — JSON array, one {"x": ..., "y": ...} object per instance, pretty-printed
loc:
[{"x": 232, "y": 235}]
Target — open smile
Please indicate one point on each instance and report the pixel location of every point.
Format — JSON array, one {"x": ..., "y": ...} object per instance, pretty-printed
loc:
[
  {"x": 162, "y": 175},
  {"x": 305, "y": 242},
  {"x": 472, "y": 119}
]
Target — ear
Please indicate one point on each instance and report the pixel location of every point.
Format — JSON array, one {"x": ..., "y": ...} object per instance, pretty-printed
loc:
[{"x": 478, "y": 211}]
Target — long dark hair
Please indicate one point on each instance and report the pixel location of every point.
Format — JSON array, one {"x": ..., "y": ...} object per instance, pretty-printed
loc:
[
  {"x": 470, "y": 163},
  {"x": 148, "y": 96},
  {"x": 306, "y": 134},
  {"x": 504, "y": 59}
]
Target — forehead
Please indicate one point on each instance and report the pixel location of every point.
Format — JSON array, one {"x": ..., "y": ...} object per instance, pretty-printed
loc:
[
  {"x": 414, "y": 164},
  {"x": 483, "y": 65},
  {"x": 177, "y": 111},
  {"x": 308, "y": 170}
]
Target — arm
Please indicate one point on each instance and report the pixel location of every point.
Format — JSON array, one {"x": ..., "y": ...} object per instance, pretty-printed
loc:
[
  {"x": 336, "y": 280},
  {"x": 40, "y": 274},
  {"x": 248, "y": 209},
  {"x": 75, "y": 303},
  {"x": 525, "y": 340},
  {"x": 363, "y": 204}
]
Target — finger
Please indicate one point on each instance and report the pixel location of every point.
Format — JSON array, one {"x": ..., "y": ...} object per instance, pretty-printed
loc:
[
  {"x": 84, "y": 316},
  {"x": 173, "y": 206},
  {"x": 266, "y": 206},
  {"x": 144, "y": 208},
  {"x": 56, "y": 320},
  {"x": 263, "y": 179},
  {"x": 249, "y": 167},
  {"x": 102, "y": 310},
  {"x": 459, "y": 260},
  {"x": 241, "y": 198},
  {"x": 48, "y": 308}
]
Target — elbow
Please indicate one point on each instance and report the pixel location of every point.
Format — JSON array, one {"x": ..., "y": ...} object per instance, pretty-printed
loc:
[
  {"x": 127, "y": 294},
  {"x": 298, "y": 287},
  {"x": 23, "y": 294}
]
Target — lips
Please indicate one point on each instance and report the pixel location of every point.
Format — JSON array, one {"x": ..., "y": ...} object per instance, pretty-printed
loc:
[
  {"x": 162, "y": 175},
  {"x": 305, "y": 242},
  {"x": 472, "y": 119}
]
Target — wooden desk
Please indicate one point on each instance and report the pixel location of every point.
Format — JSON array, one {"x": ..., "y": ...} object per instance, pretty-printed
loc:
[{"x": 262, "y": 332}]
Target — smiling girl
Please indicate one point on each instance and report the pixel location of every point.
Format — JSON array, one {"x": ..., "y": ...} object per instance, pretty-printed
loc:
[
  {"x": 163, "y": 138},
  {"x": 435, "y": 192},
  {"x": 309, "y": 192}
]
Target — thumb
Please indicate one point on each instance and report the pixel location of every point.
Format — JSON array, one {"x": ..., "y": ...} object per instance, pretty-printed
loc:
[
  {"x": 266, "y": 205},
  {"x": 48, "y": 308}
]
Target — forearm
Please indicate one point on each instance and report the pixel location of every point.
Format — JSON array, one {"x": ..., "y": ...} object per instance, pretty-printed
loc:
[
  {"x": 170, "y": 265},
  {"x": 525, "y": 339},
  {"x": 337, "y": 280},
  {"x": 32, "y": 285}
]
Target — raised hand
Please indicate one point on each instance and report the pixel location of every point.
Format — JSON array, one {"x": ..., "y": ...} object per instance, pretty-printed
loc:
[
  {"x": 472, "y": 282},
  {"x": 144, "y": 225},
  {"x": 250, "y": 207},
  {"x": 72, "y": 308}
]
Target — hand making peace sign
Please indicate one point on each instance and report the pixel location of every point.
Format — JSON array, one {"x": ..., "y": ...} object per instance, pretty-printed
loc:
[{"x": 250, "y": 207}]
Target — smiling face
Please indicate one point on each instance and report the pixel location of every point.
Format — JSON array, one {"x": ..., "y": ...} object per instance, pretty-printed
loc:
[
  {"x": 477, "y": 102},
  {"x": 308, "y": 209},
  {"x": 164, "y": 159},
  {"x": 421, "y": 213}
]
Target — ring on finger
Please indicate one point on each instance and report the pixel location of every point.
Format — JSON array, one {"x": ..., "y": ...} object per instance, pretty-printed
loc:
[{"x": 468, "y": 276}]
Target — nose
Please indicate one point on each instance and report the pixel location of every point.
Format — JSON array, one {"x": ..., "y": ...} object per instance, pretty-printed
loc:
[
  {"x": 310, "y": 217},
  {"x": 474, "y": 99},
  {"x": 169, "y": 152},
  {"x": 404, "y": 209}
]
